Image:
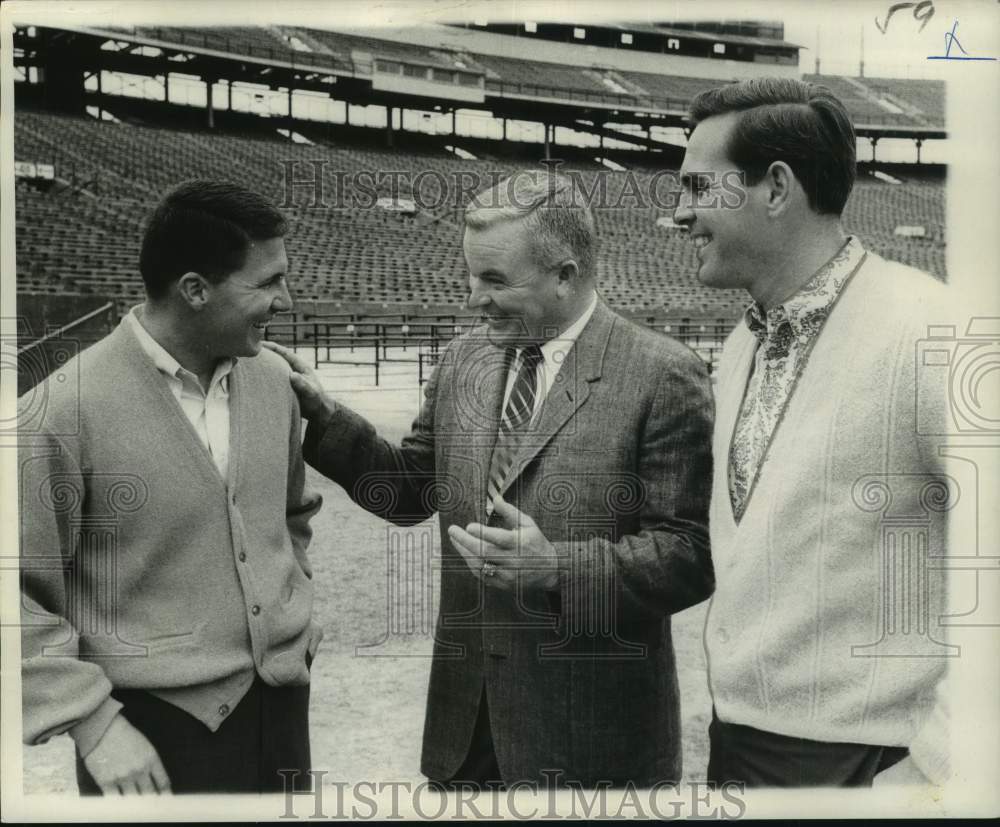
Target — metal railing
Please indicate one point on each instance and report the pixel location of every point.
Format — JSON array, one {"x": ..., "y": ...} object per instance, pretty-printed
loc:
[{"x": 107, "y": 309}]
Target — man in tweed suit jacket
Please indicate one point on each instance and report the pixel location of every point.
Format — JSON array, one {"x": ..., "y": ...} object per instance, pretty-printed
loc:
[{"x": 553, "y": 647}]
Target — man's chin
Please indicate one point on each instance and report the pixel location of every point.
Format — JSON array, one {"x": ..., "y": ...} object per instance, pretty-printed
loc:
[
  {"x": 505, "y": 332},
  {"x": 712, "y": 278}
]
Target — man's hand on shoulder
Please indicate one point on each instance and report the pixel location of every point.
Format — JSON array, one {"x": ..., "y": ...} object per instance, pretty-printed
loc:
[
  {"x": 124, "y": 762},
  {"x": 316, "y": 406}
]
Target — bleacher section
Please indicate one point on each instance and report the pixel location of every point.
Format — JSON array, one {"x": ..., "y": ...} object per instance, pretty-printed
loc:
[
  {"x": 82, "y": 235},
  {"x": 876, "y": 100}
]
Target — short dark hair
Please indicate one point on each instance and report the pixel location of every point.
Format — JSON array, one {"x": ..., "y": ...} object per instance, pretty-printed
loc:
[
  {"x": 782, "y": 119},
  {"x": 204, "y": 227}
]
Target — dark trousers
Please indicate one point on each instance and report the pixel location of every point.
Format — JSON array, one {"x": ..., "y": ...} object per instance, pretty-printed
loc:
[
  {"x": 268, "y": 731},
  {"x": 480, "y": 769},
  {"x": 766, "y": 759}
]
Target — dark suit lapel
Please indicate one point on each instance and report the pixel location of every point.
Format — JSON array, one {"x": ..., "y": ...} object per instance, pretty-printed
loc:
[{"x": 570, "y": 391}]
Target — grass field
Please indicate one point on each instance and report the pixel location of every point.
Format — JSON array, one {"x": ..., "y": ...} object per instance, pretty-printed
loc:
[{"x": 367, "y": 710}]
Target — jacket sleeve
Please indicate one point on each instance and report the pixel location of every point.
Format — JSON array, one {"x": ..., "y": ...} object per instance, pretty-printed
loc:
[
  {"x": 394, "y": 482},
  {"x": 302, "y": 503},
  {"x": 60, "y": 693},
  {"x": 666, "y": 565}
]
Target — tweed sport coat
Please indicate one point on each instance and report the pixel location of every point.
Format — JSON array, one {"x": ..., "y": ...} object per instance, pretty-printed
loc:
[{"x": 616, "y": 472}]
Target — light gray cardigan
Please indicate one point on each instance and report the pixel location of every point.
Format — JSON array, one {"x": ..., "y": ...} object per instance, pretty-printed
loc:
[{"x": 141, "y": 568}]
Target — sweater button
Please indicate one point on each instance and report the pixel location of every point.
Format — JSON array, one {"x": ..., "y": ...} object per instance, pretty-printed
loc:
[
  {"x": 722, "y": 635},
  {"x": 243, "y": 556},
  {"x": 255, "y": 610},
  {"x": 224, "y": 709}
]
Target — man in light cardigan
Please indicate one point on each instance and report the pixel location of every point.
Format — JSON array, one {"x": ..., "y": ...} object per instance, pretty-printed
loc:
[
  {"x": 816, "y": 415},
  {"x": 167, "y": 596}
]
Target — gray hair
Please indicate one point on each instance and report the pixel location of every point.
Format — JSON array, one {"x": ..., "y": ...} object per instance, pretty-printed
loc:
[{"x": 553, "y": 208}]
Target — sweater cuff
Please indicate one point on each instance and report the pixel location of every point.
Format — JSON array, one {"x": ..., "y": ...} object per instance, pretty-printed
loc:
[
  {"x": 88, "y": 733},
  {"x": 931, "y": 747}
]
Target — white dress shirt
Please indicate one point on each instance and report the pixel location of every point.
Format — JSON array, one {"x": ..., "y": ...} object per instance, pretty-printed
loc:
[
  {"x": 554, "y": 353},
  {"x": 208, "y": 413}
]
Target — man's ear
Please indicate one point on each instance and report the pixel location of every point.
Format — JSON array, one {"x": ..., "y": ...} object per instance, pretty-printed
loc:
[
  {"x": 569, "y": 275},
  {"x": 781, "y": 183},
  {"x": 194, "y": 289}
]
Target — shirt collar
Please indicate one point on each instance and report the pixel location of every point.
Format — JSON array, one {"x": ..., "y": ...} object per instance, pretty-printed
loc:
[
  {"x": 805, "y": 311},
  {"x": 166, "y": 363},
  {"x": 554, "y": 350}
]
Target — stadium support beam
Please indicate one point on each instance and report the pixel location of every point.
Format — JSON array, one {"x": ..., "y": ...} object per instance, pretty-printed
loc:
[
  {"x": 209, "y": 107},
  {"x": 390, "y": 115},
  {"x": 919, "y": 142},
  {"x": 548, "y": 155},
  {"x": 874, "y": 140},
  {"x": 166, "y": 87},
  {"x": 100, "y": 99}
]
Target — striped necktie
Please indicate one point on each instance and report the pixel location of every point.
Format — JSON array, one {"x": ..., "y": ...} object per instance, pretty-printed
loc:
[{"x": 516, "y": 416}]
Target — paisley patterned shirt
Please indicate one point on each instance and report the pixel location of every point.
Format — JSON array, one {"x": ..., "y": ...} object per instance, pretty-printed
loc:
[{"x": 785, "y": 334}]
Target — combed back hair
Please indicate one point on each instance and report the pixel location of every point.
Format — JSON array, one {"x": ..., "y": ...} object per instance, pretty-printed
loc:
[
  {"x": 554, "y": 209},
  {"x": 781, "y": 119},
  {"x": 205, "y": 227}
]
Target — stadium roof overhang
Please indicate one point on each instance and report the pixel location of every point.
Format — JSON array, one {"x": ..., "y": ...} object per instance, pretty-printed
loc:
[
  {"x": 326, "y": 73},
  {"x": 310, "y": 71}
]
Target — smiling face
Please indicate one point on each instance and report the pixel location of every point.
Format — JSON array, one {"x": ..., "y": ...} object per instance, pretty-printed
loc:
[
  {"x": 730, "y": 234},
  {"x": 239, "y": 307},
  {"x": 521, "y": 299}
]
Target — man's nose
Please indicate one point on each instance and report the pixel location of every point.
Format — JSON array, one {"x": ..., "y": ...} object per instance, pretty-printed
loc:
[
  {"x": 683, "y": 214},
  {"x": 477, "y": 296},
  {"x": 283, "y": 301}
]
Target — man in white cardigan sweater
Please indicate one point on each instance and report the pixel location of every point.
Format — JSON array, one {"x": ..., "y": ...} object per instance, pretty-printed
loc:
[{"x": 825, "y": 654}]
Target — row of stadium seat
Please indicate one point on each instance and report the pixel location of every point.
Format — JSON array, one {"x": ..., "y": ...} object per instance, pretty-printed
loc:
[{"x": 83, "y": 233}]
